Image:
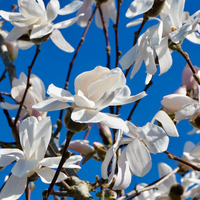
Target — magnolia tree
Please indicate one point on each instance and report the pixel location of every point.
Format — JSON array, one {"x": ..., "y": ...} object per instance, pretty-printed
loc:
[{"x": 104, "y": 128}]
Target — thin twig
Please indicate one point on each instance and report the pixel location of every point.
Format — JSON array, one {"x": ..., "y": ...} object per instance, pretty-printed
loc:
[
  {"x": 106, "y": 36},
  {"x": 27, "y": 84},
  {"x": 149, "y": 187},
  {"x": 116, "y": 33},
  {"x": 62, "y": 161},
  {"x": 3, "y": 75},
  {"x": 173, "y": 157},
  {"x": 137, "y": 102}
]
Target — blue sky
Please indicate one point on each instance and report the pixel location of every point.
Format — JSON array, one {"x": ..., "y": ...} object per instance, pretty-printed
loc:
[{"x": 52, "y": 65}]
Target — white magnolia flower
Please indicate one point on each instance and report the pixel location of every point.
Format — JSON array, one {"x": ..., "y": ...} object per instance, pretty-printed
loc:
[
  {"x": 135, "y": 158},
  {"x": 36, "y": 20},
  {"x": 187, "y": 181},
  {"x": 34, "y": 138},
  {"x": 95, "y": 90},
  {"x": 154, "y": 42},
  {"x": 108, "y": 9},
  {"x": 36, "y": 93}
]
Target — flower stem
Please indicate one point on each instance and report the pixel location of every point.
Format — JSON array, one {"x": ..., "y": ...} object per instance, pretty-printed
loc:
[
  {"x": 173, "y": 157},
  {"x": 137, "y": 102},
  {"x": 177, "y": 47},
  {"x": 106, "y": 36},
  {"x": 27, "y": 84},
  {"x": 115, "y": 26},
  {"x": 62, "y": 161}
]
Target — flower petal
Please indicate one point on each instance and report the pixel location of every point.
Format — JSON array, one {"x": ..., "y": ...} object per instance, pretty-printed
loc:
[
  {"x": 166, "y": 122},
  {"x": 7, "y": 156},
  {"x": 23, "y": 167},
  {"x": 60, "y": 42},
  {"x": 39, "y": 31},
  {"x": 188, "y": 111},
  {"x": 46, "y": 174},
  {"x": 138, "y": 7},
  {"x": 13, "y": 188},
  {"x": 138, "y": 157},
  {"x": 60, "y": 94},
  {"x": 67, "y": 23},
  {"x": 154, "y": 138},
  {"x": 52, "y": 10},
  {"x": 50, "y": 105},
  {"x": 124, "y": 174},
  {"x": 87, "y": 9},
  {"x": 70, "y": 8},
  {"x": 164, "y": 56}
]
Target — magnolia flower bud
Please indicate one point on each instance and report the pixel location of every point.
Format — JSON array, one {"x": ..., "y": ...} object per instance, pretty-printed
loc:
[
  {"x": 11, "y": 46},
  {"x": 176, "y": 191},
  {"x": 156, "y": 8},
  {"x": 105, "y": 134},
  {"x": 110, "y": 194},
  {"x": 71, "y": 125},
  {"x": 100, "y": 150},
  {"x": 32, "y": 186},
  {"x": 188, "y": 79},
  {"x": 81, "y": 146},
  {"x": 183, "y": 168}
]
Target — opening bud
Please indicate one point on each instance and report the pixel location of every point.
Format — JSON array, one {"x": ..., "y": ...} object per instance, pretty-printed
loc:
[
  {"x": 100, "y": 150},
  {"x": 105, "y": 134}
]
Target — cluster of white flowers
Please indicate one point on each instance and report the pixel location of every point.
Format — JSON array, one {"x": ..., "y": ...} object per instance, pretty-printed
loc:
[{"x": 127, "y": 147}]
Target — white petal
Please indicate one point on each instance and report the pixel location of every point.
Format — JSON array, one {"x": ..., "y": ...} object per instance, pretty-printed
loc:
[
  {"x": 67, "y": 23},
  {"x": 164, "y": 56},
  {"x": 124, "y": 175},
  {"x": 8, "y": 106},
  {"x": 165, "y": 169},
  {"x": 7, "y": 156},
  {"x": 138, "y": 157},
  {"x": 121, "y": 100},
  {"x": 138, "y": 7},
  {"x": 23, "y": 45},
  {"x": 83, "y": 80},
  {"x": 23, "y": 167},
  {"x": 60, "y": 42},
  {"x": 129, "y": 58},
  {"x": 70, "y": 8},
  {"x": 39, "y": 31},
  {"x": 31, "y": 9},
  {"x": 46, "y": 174},
  {"x": 59, "y": 93},
  {"x": 81, "y": 101},
  {"x": 52, "y": 9},
  {"x": 166, "y": 122},
  {"x": 154, "y": 137},
  {"x": 15, "y": 33},
  {"x": 87, "y": 9},
  {"x": 50, "y": 105},
  {"x": 174, "y": 102},
  {"x": 9, "y": 16},
  {"x": 135, "y": 22},
  {"x": 188, "y": 111},
  {"x": 13, "y": 188}
]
